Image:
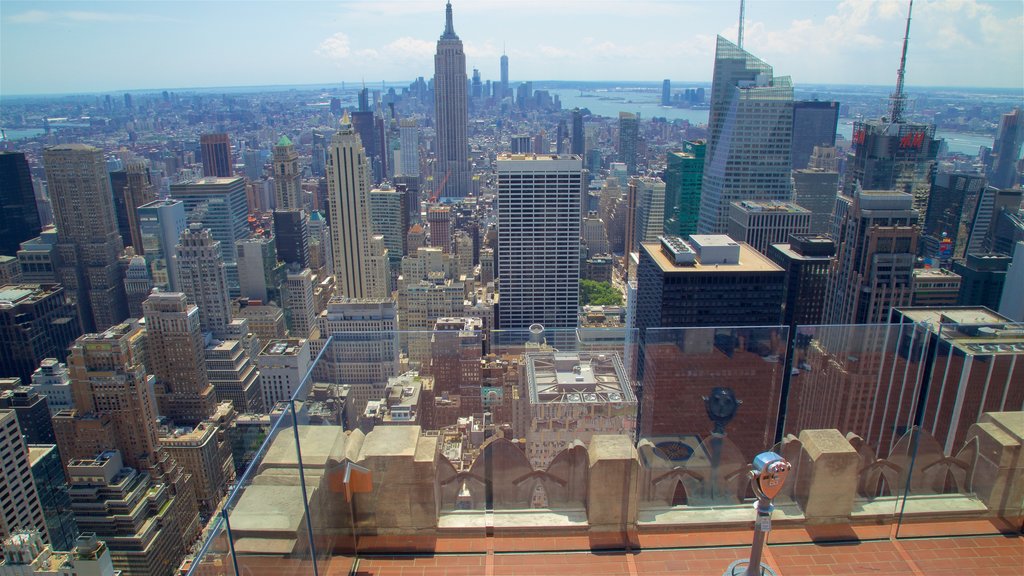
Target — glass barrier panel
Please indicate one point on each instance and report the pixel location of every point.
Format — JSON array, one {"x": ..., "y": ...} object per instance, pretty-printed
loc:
[
  {"x": 213, "y": 558},
  {"x": 709, "y": 402},
  {"x": 961, "y": 479}
]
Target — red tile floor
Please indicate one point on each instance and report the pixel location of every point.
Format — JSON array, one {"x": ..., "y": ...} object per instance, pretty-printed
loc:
[{"x": 959, "y": 556}]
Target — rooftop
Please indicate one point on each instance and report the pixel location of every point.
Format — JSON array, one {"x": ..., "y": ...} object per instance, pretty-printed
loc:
[
  {"x": 577, "y": 377},
  {"x": 759, "y": 206},
  {"x": 750, "y": 260}
]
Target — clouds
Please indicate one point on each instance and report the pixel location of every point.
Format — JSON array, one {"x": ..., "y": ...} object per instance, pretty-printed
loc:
[
  {"x": 80, "y": 17},
  {"x": 338, "y": 48}
]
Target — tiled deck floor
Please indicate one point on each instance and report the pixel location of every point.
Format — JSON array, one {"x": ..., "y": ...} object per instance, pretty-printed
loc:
[{"x": 962, "y": 556}]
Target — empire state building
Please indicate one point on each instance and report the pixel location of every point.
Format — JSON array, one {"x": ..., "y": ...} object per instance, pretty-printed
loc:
[{"x": 452, "y": 172}]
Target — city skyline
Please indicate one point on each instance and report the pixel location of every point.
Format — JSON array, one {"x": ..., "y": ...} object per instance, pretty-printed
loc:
[{"x": 955, "y": 43}]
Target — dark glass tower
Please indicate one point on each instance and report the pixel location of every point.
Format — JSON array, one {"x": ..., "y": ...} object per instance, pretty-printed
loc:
[{"x": 20, "y": 220}]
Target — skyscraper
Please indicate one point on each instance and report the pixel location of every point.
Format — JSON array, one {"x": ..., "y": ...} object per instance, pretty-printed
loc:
[
  {"x": 750, "y": 129},
  {"x": 1006, "y": 151},
  {"x": 952, "y": 208},
  {"x": 88, "y": 243},
  {"x": 814, "y": 124},
  {"x": 37, "y": 322},
  {"x": 349, "y": 199},
  {"x": 20, "y": 220},
  {"x": 409, "y": 144},
  {"x": 579, "y": 141},
  {"x": 203, "y": 279},
  {"x": 645, "y": 219},
  {"x": 683, "y": 174},
  {"x": 161, "y": 223},
  {"x": 175, "y": 356},
  {"x": 287, "y": 176},
  {"x": 539, "y": 240},
  {"x": 451, "y": 111},
  {"x": 503, "y": 87},
  {"x": 219, "y": 204},
  {"x": 216, "y": 150},
  {"x": 873, "y": 269},
  {"x": 132, "y": 188},
  {"x": 22, "y": 508},
  {"x": 629, "y": 138},
  {"x": 666, "y": 92}
]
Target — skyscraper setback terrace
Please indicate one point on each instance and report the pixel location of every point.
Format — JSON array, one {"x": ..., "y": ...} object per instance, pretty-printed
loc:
[{"x": 622, "y": 452}]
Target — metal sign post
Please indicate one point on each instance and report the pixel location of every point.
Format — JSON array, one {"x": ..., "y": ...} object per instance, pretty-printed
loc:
[{"x": 767, "y": 477}]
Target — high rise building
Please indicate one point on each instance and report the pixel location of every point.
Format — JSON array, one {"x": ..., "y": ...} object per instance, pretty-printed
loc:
[
  {"x": 18, "y": 491},
  {"x": 1012, "y": 305},
  {"x": 137, "y": 285},
  {"x": 666, "y": 92},
  {"x": 814, "y": 124},
  {"x": 1006, "y": 151},
  {"x": 25, "y": 552},
  {"x": 132, "y": 188},
  {"x": 36, "y": 322},
  {"x": 645, "y": 220},
  {"x": 51, "y": 380},
  {"x": 390, "y": 218},
  {"x": 287, "y": 176},
  {"x": 409, "y": 144},
  {"x": 750, "y": 129},
  {"x": 260, "y": 273},
  {"x": 991, "y": 205},
  {"x": 934, "y": 287},
  {"x": 17, "y": 203},
  {"x": 351, "y": 228},
  {"x": 806, "y": 259},
  {"x": 299, "y": 304},
  {"x": 684, "y": 172},
  {"x": 451, "y": 114},
  {"x": 364, "y": 350},
  {"x": 291, "y": 237},
  {"x": 203, "y": 278},
  {"x": 578, "y": 139},
  {"x": 816, "y": 189},
  {"x": 318, "y": 164},
  {"x": 954, "y": 201},
  {"x": 176, "y": 359},
  {"x": 439, "y": 221},
  {"x": 161, "y": 223},
  {"x": 708, "y": 281},
  {"x": 32, "y": 411},
  {"x": 761, "y": 224},
  {"x": 539, "y": 218},
  {"x": 873, "y": 270},
  {"x": 232, "y": 372},
  {"x": 52, "y": 488},
  {"x": 983, "y": 278},
  {"x": 204, "y": 451},
  {"x": 629, "y": 140},
  {"x": 220, "y": 205},
  {"x": 88, "y": 244},
  {"x": 283, "y": 365},
  {"x": 216, "y": 151},
  {"x": 503, "y": 87}
]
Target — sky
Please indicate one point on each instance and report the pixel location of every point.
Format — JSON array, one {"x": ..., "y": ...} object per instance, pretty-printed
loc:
[{"x": 97, "y": 46}]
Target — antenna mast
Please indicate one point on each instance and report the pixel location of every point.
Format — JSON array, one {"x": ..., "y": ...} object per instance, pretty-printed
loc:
[
  {"x": 898, "y": 100},
  {"x": 743, "y": 5}
]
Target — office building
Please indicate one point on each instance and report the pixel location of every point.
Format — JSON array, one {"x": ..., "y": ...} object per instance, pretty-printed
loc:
[
  {"x": 390, "y": 218},
  {"x": 666, "y": 92},
  {"x": 707, "y": 281},
  {"x": 137, "y": 285},
  {"x": 814, "y": 124},
  {"x": 503, "y": 86},
  {"x": 161, "y": 223},
  {"x": 629, "y": 140},
  {"x": 806, "y": 258},
  {"x": 299, "y": 304},
  {"x": 220, "y": 205},
  {"x": 750, "y": 128},
  {"x": 934, "y": 287},
  {"x": 36, "y": 322},
  {"x": 25, "y": 553},
  {"x": 595, "y": 237},
  {"x": 577, "y": 138},
  {"x": 260, "y": 274},
  {"x": 216, "y": 155},
  {"x": 452, "y": 171},
  {"x": 761, "y": 224},
  {"x": 283, "y": 365},
  {"x": 364, "y": 347},
  {"x": 287, "y": 176},
  {"x": 233, "y": 374},
  {"x": 539, "y": 218},
  {"x": 132, "y": 188},
  {"x": 645, "y": 212},
  {"x": 409, "y": 144},
  {"x": 893, "y": 156},
  {"x": 983, "y": 278},
  {"x": 589, "y": 389},
  {"x": 873, "y": 270},
  {"x": 52, "y": 488},
  {"x": 204, "y": 451},
  {"x": 439, "y": 223},
  {"x": 175, "y": 357},
  {"x": 88, "y": 244},
  {"x": 953, "y": 206},
  {"x": 1012, "y": 305},
  {"x": 815, "y": 189},
  {"x": 356, "y": 266},
  {"x": 10, "y": 270},
  {"x": 521, "y": 144},
  {"x": 991, "y": 205},
  {"x": 131, "y": 511},
  {"x": 203, "y": 278},
  {"x": 684, "y": 171},
  {"x": 51, "y": 380},
  {"x": 291, "y": 237},
  {"x": 22, "y": 509},
  {"x": 266, "y": 322},
  {"x": 1006, "y": 146},
  {"x": 32, "y": 411},
  {"x": 17, "y": 202},
  {"x": 38, "y": 258}
]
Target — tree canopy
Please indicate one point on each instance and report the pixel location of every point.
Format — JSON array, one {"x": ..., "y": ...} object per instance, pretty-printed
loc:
[{"x": 599, "y": 294}]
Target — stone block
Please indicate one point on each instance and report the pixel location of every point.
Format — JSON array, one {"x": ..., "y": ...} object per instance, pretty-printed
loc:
[
  {"x": 997, "y": 476},
  {"x": 826, "y": 481},
  {"x": 614, "y": 473}
]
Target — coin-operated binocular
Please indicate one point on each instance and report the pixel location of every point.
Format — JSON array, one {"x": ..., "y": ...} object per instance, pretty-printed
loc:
[{"x": 767, "y": 477}]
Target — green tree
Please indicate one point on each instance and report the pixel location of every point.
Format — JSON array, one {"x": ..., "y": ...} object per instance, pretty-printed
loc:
[{"x": 599, "y": 294}]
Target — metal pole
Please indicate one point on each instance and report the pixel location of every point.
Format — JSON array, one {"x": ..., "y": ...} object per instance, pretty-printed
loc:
[{"x": 764, "y": 511}]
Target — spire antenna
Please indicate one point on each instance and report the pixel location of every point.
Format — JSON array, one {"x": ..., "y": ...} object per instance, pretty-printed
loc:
[
  {"x": 743, "y": 10},
  {"x": 449, "y": 28},
  {"x": 898, "y": 100}
]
